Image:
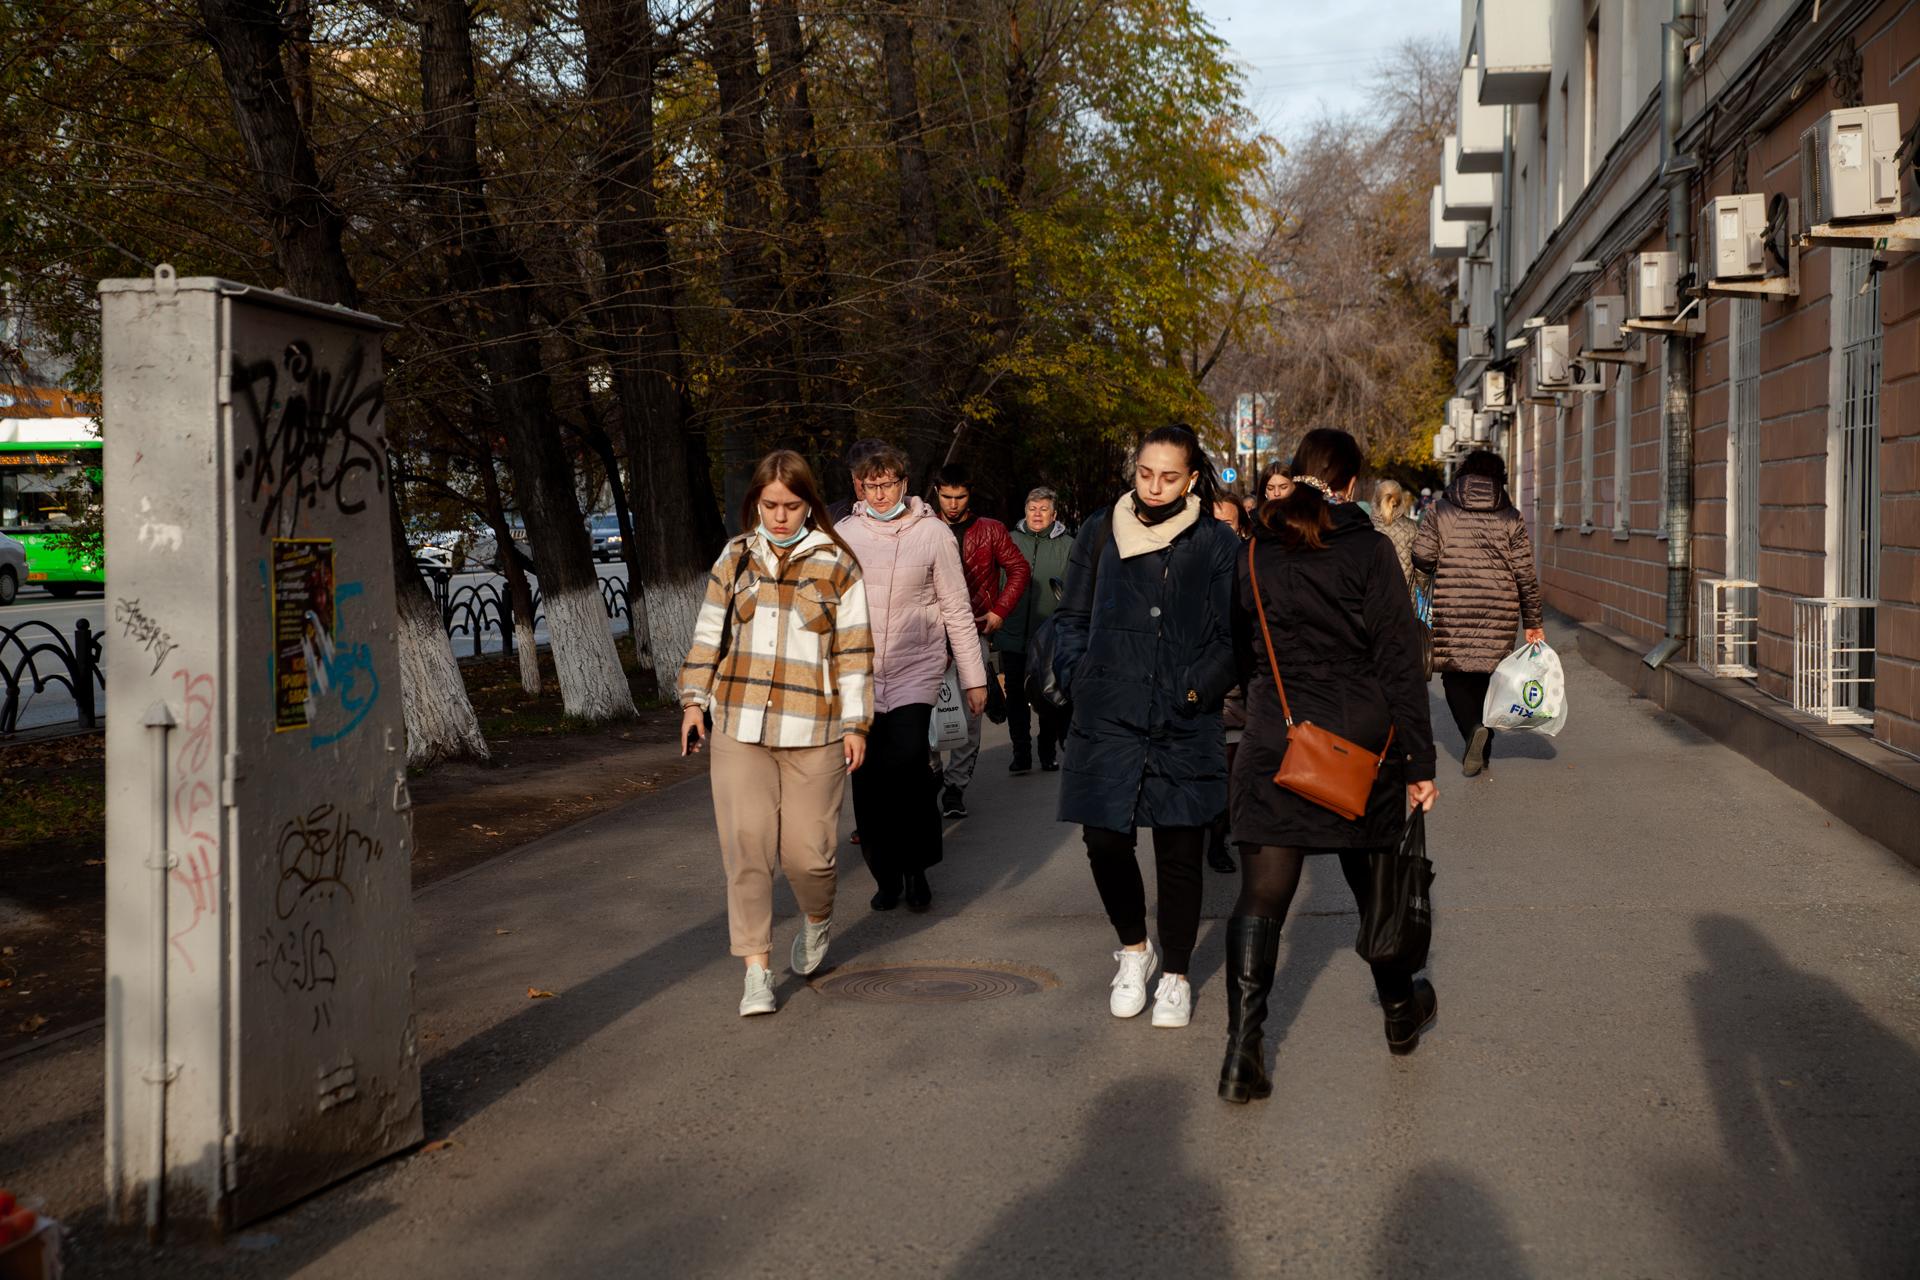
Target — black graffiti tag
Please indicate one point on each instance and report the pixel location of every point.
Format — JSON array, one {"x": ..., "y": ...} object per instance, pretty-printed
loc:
[
  {"x": 316, "y": 853},
  {"x": 137, "y": 626},
  {"x": 314, "y": 430}
]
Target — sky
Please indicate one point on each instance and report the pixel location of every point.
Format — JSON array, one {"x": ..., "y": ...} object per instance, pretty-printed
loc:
[{"x": 1302, "y": 55}]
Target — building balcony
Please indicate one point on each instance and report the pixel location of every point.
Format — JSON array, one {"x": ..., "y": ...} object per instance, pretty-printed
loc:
[
  {"x": 1451, "y": 239},
  {"x": 1515, "y": 50},
  {"x": 1464, "y": 197},
  {"x": 1482, "y": 130}
]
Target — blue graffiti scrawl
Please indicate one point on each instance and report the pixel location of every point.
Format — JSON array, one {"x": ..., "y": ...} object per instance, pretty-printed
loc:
[{"x": 341, "y": 672}]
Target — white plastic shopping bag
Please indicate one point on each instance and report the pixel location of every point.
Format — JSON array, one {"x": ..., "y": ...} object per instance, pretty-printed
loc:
[
  {"x": 948, "y": 728},
  {"x": 1529, "y": 691}
]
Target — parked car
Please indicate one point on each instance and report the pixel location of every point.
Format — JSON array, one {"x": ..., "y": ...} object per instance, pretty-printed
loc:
[
  {"x": 13, "y": 568},
  {"x": 607, "y": 541}
]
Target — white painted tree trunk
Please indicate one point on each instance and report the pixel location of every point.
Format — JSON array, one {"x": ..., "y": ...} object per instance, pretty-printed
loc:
[
  {"x": 433, "y": 698},
  {"x": 640, "y": 630},
  {"x": 529, "y": 654},
  {"x": 593, "y": 685},
  {"x": 672, "y": 610}
]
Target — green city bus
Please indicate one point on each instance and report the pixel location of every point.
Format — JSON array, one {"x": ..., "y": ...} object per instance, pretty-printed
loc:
[{"x": 48, "y": 468}]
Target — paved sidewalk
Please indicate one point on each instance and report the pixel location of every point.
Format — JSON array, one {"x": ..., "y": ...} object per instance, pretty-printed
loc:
[{"x": 1679, "y": 1036}]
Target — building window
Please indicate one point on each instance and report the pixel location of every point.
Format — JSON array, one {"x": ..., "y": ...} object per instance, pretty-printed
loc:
[
  {"x": 1559, "y": 463},
  {"x": 1623, "y": 452},
  {"x": 1586, "y": 461},
  {"x": 1855, "y": 453},
  {"x": 1743, "y": 442},
  {"x": 1590, "y": 117}
]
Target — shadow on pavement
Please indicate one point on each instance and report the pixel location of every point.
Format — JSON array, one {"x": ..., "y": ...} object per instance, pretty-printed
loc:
[
  {"x": 1444, "y": 1221},
  {"x": 1127, "y": 1205},
  {"x": 477, "y": 1072},
  {"x": 1818, "y": 1107}
]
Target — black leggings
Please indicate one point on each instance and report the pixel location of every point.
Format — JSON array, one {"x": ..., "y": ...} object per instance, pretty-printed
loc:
[
  {"x": 1177, "y": 852},
  {"x": 896, "y": 797},
  {"x": 1269, "y": 876},
  {"x": 1466, "y": 695}
]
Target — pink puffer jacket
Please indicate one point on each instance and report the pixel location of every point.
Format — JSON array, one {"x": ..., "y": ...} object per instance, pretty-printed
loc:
[{"x": 916, "y": 604}]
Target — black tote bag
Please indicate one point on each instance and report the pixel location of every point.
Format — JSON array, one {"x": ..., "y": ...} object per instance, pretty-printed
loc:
[{"x": 1396, "y": 917}]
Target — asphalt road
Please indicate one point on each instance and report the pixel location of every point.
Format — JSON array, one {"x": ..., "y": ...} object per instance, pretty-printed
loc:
[
  {"x": 54, "y": 706},
  {"x": 1679, "y": 1036}
]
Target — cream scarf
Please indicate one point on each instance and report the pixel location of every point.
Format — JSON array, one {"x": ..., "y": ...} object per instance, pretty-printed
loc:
[{"x": 1133, "y": 537}]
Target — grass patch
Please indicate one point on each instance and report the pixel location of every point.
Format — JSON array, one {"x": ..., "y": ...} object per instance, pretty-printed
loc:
[
  {"x": 505, "y": 711},
  {"x": 53, "y": 792}
]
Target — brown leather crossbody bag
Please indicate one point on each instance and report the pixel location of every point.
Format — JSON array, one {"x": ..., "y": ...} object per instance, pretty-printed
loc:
[{"x": 1319, "y": 766}]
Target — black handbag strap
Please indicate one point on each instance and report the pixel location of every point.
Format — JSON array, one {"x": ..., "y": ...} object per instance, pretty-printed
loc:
[{"x": 726, "y": 626}]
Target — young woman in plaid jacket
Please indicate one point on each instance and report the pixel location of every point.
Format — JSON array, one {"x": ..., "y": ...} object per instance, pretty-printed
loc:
[{"x": 782, "y": 660}]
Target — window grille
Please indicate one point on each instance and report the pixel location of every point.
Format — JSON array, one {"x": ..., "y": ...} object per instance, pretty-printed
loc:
[
  {"x": 1743, "y": 442},
  {"x": 1728, "y": 632},
  {"x": 1856, "y": 453},
  {"x": 1833, "y": 659},
  {"x": 1587, "y": 414},
  {"x": 1559, "y": 464}
]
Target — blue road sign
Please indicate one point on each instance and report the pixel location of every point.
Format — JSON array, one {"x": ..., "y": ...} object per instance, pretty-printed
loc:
[{"x": 1229, "y": 475}]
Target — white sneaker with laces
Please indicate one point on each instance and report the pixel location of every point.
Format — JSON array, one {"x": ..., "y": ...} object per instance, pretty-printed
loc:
[
  {"x": 1172, "y": 1001},
  {"x": 1130, "y": 983},
  {"x": 810, "y": 946},
  {"x": 759, "y": 993}
]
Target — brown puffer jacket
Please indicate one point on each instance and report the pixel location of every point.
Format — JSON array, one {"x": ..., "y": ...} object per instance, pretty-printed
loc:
[{"x": 1475, "y": 544}]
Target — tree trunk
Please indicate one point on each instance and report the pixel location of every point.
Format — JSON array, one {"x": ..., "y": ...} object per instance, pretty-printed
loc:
[
  {"x": 602, "y": 445},
  {"x": 484, "y": 268},
  {"x": 809, "y": 297},
  {"x": 519, "y": 591},
  {"x": 919, "y": 230},
  {"x": 672, "y": 485},
  {"x": 759, "y": 410},
  {"x": 307, "y": 227}
]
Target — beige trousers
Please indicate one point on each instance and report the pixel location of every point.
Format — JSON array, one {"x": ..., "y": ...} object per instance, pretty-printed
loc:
[{"x": 776, "y": 803}]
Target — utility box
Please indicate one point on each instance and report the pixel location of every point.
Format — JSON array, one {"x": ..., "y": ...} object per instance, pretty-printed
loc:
[
  {"x": 1733, "y": 238},
  {"x": 1604, "y": 313},
  {"x": 1653, "y": 285},
  {"x": 1849, "y": 166},
  {"x": 260, "y": 1037}
]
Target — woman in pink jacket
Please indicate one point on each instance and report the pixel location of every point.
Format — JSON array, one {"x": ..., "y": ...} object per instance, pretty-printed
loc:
[{"x": 918, "y": 609}]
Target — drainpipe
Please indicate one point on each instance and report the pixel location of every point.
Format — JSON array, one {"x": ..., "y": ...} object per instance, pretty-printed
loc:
[{"x": 1677, "y": 174}]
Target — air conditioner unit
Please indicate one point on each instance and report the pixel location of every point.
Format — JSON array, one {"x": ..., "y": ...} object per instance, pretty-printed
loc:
[
  {"x": 1495, "y": 393},
  {"x": 1552, "y": 363},
  {"x": 1604, "y": 312},
  {"x": 1482, "y": 427},
  {"x": 1847, "y": 166},
  {"x": 1459, "y": 419},
  {"x": 1733, "y": 238},
  {"x": 1478, "y": 342},
  {"x": 1457, "y": 312},
  {"x": 1653, "y": 286}
]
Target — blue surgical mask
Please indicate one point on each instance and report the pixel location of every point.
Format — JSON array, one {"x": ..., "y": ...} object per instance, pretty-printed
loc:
[
  {"x": 894, "y": 514},
  {"x": 787, "y": 541}
]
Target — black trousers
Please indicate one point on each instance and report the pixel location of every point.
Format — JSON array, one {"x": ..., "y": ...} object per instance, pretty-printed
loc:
[
  {"x": 1466, "y": 694},
  {"x": 1177, "y": 852},
  {"x": 1053, "y": 721},
  {"x": 896, "y": 797},
  {"x": 1270, "y": 874}
]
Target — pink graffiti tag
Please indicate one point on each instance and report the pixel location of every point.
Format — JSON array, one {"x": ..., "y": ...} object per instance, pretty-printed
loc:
[{"x": 193, "y": 800}]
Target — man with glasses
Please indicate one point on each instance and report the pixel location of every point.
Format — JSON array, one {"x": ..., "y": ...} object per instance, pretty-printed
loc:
[{"x": 918, "y": 608}]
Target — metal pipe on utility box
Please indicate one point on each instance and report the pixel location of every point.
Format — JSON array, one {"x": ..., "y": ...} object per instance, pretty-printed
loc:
[
  {"x": 159, "y": 1073},
  {"x": 1677, "y": 174}
]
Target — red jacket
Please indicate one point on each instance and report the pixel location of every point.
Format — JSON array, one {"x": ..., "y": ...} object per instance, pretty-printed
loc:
[{"x": 986, "y": 554}]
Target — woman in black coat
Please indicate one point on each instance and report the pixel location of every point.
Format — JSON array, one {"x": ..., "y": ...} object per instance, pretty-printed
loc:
[
  {"x": 1345, "y": 637},
  {"x": 1145, "y": 652}
]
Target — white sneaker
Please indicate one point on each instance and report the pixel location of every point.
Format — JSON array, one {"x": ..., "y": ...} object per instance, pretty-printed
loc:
[
  {"x": 1172, "y": 1001},
  {"x": 759, "y": 994},
  {"x": 1130, "y": 984},
  {"x": 810, "y": 945}
]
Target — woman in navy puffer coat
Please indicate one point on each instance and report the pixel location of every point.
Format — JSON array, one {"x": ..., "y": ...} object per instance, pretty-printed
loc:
[{"x": 1145, "y": 653}]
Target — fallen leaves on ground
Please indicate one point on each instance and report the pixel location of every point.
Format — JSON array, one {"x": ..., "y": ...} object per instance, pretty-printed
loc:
[
  {"x": 501, "y": 933},
  {"x": 32, "y": 1024},
  {"x": 439, "y": 1144},
  {"x": 535, "y": 993}
]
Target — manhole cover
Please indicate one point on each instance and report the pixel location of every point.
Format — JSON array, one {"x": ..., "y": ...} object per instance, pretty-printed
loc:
[{"x": 933, "y": 983}]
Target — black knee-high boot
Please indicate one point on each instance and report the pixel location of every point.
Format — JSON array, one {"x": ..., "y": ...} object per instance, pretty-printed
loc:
[{"x": 1253, "y": 948}]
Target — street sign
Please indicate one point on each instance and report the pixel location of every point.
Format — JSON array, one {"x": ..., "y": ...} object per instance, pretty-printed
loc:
[
  {"x": 259, "y": 842},
  {"x": 1229, "y": 475}
]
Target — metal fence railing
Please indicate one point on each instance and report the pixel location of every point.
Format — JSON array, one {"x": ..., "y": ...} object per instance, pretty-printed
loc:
[{"x": 35, "y": 656}]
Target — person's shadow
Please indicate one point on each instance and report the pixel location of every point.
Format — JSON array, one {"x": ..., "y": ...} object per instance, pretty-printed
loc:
[
  {"x": 1128, "y": 1204},
  {"x": 1819, "y": 1111},
  {"x": 1443, "y": 1221}
]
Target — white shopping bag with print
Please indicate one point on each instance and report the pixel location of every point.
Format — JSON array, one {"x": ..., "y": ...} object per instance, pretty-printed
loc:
[
  {"x": 948, "y": 729},
  {"x": 1529, "y": 691}
]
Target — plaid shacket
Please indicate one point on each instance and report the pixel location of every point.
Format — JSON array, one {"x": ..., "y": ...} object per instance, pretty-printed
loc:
[{"x": 799, "y": 670}]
